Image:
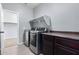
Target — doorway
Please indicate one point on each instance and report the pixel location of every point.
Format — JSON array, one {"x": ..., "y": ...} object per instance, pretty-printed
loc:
[{"x": 10, "y": 28}]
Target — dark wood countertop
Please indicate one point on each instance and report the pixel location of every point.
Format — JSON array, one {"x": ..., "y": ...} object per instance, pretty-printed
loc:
[{"x": 65, "y": 35}]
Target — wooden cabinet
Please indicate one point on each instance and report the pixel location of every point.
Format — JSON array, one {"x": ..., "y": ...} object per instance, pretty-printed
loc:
[
  {"x": 66, "y": 46},
  {"x": 63, "y": 50},
  {"x": 48, "y": 43},
  {"x": 72, "y": 43},
  {"x": 60, "y": 45}
]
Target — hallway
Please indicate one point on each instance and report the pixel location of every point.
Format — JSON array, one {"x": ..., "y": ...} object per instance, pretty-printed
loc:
[
  {"x": 17, "y": 50},
  {"x": 10, "y": 42}
]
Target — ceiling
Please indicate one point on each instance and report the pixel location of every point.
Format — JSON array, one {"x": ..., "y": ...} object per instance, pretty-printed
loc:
[{"x": 32, "y": 5}]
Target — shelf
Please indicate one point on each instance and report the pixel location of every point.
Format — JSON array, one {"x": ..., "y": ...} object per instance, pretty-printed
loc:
[
  {"x": 10, "y": 17},
  {"x": 9, "y": 23}
]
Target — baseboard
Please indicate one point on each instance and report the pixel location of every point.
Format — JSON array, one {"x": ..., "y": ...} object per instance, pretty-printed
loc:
[{"x": 20, "y": 43}]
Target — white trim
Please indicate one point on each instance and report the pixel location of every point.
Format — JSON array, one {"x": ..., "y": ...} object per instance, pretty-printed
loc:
[
  {"x": 2, "y": 35},
  {"x": 17, "y": 28},
  {"x": 21, "y": 43}
]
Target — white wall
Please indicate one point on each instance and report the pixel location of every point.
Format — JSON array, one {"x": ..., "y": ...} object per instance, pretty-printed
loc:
[
  {"x": 25, "y": 14},
  {"x": 64, "y": 16}
]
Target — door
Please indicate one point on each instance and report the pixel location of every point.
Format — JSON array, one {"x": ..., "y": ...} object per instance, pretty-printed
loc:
[{"x": 1, "y": 30}]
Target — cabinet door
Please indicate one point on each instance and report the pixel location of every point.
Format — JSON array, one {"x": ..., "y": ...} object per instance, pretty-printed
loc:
[
  {"x": 72, "y": 43},
  {"x": 48, "y": 44},
  {"x": 47, "y": 48},
  {"x": 63, "y": 50}
]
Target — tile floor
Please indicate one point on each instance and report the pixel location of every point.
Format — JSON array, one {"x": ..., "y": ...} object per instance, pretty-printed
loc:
[{"x": 17, "y": 50}]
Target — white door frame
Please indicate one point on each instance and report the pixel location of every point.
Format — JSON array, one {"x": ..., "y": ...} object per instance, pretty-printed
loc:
[
  {"x": 18, "y": 28},
  {"x": 2, "y": 35},
  {"x": 2, "y": 40}
]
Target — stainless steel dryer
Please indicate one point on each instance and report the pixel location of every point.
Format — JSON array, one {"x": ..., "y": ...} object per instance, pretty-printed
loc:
[{"x": 38, "y": 26}]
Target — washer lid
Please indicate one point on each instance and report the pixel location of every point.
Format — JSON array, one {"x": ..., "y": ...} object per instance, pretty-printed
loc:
[{"x": 39, "y": 22}]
